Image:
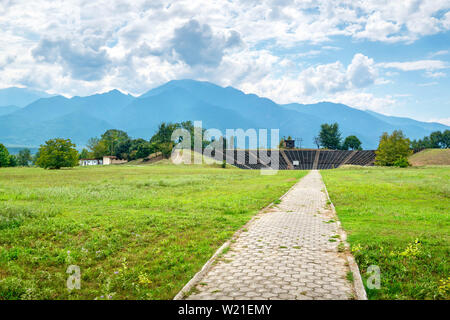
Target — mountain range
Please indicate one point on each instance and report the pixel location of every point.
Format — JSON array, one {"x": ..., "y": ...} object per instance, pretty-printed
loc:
[{"x": 29, "y": 118}]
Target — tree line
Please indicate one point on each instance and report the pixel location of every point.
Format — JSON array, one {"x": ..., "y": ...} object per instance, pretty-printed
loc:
[
  {"x": 436, "y": 140},
  {"x": 117, "y": 143},
  {"x": 393, "y": 149},
  {"x": 59, "y": 153},
  {"x": 24, "y": 158}
]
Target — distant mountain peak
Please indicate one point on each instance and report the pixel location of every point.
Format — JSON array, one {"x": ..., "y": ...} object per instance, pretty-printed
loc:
[{"x": 80, "y": 118}]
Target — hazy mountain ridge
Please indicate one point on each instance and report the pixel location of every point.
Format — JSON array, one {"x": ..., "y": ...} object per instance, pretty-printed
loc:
[
  {"x": 80, "y": 118},
  {"x": 4, "y": 110},
  {"x": 20, "y": 97}
]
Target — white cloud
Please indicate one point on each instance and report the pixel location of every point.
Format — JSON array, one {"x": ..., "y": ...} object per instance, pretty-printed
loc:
[
  {"x": 446, "y": 21},
  {"x": 365, "y": 101},
  {"x": 361, "y": 72},
  {"x": 82, "y": 46},
  {"x": 334, "y": 77},
  {"x": 438, "y": 53},
  {"x": 328, "y": 82},
  {"x": 430, "y": 74},
  {"x": 428, "y": 84},
  {"x": 77, "y": 60},
  {"x": 415, "y": 65}
]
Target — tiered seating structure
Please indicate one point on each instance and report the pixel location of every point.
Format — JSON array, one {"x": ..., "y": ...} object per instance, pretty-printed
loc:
[
  {"x": 304, "y": 157},
  {"x": 331, "y": 159},
  {"x": 328, "y": 159},
  {"x": 362, "y": 158}
]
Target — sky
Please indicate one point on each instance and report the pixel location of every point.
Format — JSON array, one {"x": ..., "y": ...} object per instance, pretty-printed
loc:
[{"x": 391, "y": 57}]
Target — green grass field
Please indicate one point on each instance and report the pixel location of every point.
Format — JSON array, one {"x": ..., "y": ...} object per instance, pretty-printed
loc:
[
  {"x": 136, "y": 232},
  {"x": 384, "y": 211},
  {"x": 141, "y": 232}
]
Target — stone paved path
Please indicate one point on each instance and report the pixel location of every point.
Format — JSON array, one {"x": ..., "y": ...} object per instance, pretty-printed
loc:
[{"x": 289, "y": 252}]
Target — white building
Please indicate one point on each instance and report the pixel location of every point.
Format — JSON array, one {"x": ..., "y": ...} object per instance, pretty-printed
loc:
[
  {"x": 112, "y": 160},
  {"x": 90, "y": 162},
  {"x": 107, "y": 160}
]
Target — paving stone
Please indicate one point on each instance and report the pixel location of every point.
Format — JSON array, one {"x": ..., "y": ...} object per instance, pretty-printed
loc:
[{"x": 285, "y": 254}]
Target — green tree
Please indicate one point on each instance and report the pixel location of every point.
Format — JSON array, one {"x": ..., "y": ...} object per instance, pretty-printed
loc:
[
  {"x": 24, "y": 158},
  {"x": 417, "y": 145},
  {"x": 98, "y": 148},
  {"x": 436, "y": 138},
  {"x": 164, "y": 132},
  {"x": 163, "y": 136},
  {"x": 111, "y": 143},
  {"x": 12, "y": 161},
  {"x": 351, "y": 142},
  {"x": 392, "y": 148},
  {"x": 4, "y": 156},
  {"x": 35, "y": 158},
  {"x": 57, "y": 153},
  {"x": 84, "y": 154},
  {"x": 166, "y": 148},
  {"x": 329, "y": 136},
  {"x": 140, "y": 148},
  {"x": 113, "y": 137},
  {"x": 144, "y": 150},
  {"x": 446, "y": 139},
  {"x": 123, "y": 148}
]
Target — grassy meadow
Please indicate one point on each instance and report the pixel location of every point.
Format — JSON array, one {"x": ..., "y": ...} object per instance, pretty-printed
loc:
[
  {"x": 398, "y": 219},
  {"x": 136, "y": 232}
]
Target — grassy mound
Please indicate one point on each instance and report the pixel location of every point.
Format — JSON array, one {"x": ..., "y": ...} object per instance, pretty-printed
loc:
[{"x": 431, "y": 157}]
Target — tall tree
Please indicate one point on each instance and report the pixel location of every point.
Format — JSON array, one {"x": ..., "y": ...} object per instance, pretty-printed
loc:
[
  {"x": 330, "y": 136},
  {"x": 351, "y": 142},
  {"x": 113, "y": 137},
  {"x": 4, "y": 156},
  {"x": 84, "y": 154},
  {"x": 392, "y": 149},
  {"x": 98, "y": 148},
  {"x": 446, "y": 139},
  {"x": 24, "y": 157},
  {"x": 57, "y": 153},
  {"x": 12, "y": 160},
  {"x": 436, "y": 139}
]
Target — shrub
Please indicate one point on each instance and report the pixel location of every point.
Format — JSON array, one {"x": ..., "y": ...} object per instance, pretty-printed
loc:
[{"x": 402, "y": 163}]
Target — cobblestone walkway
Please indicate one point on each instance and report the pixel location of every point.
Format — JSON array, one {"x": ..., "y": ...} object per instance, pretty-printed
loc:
[{"x": 288, "y": 252}]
